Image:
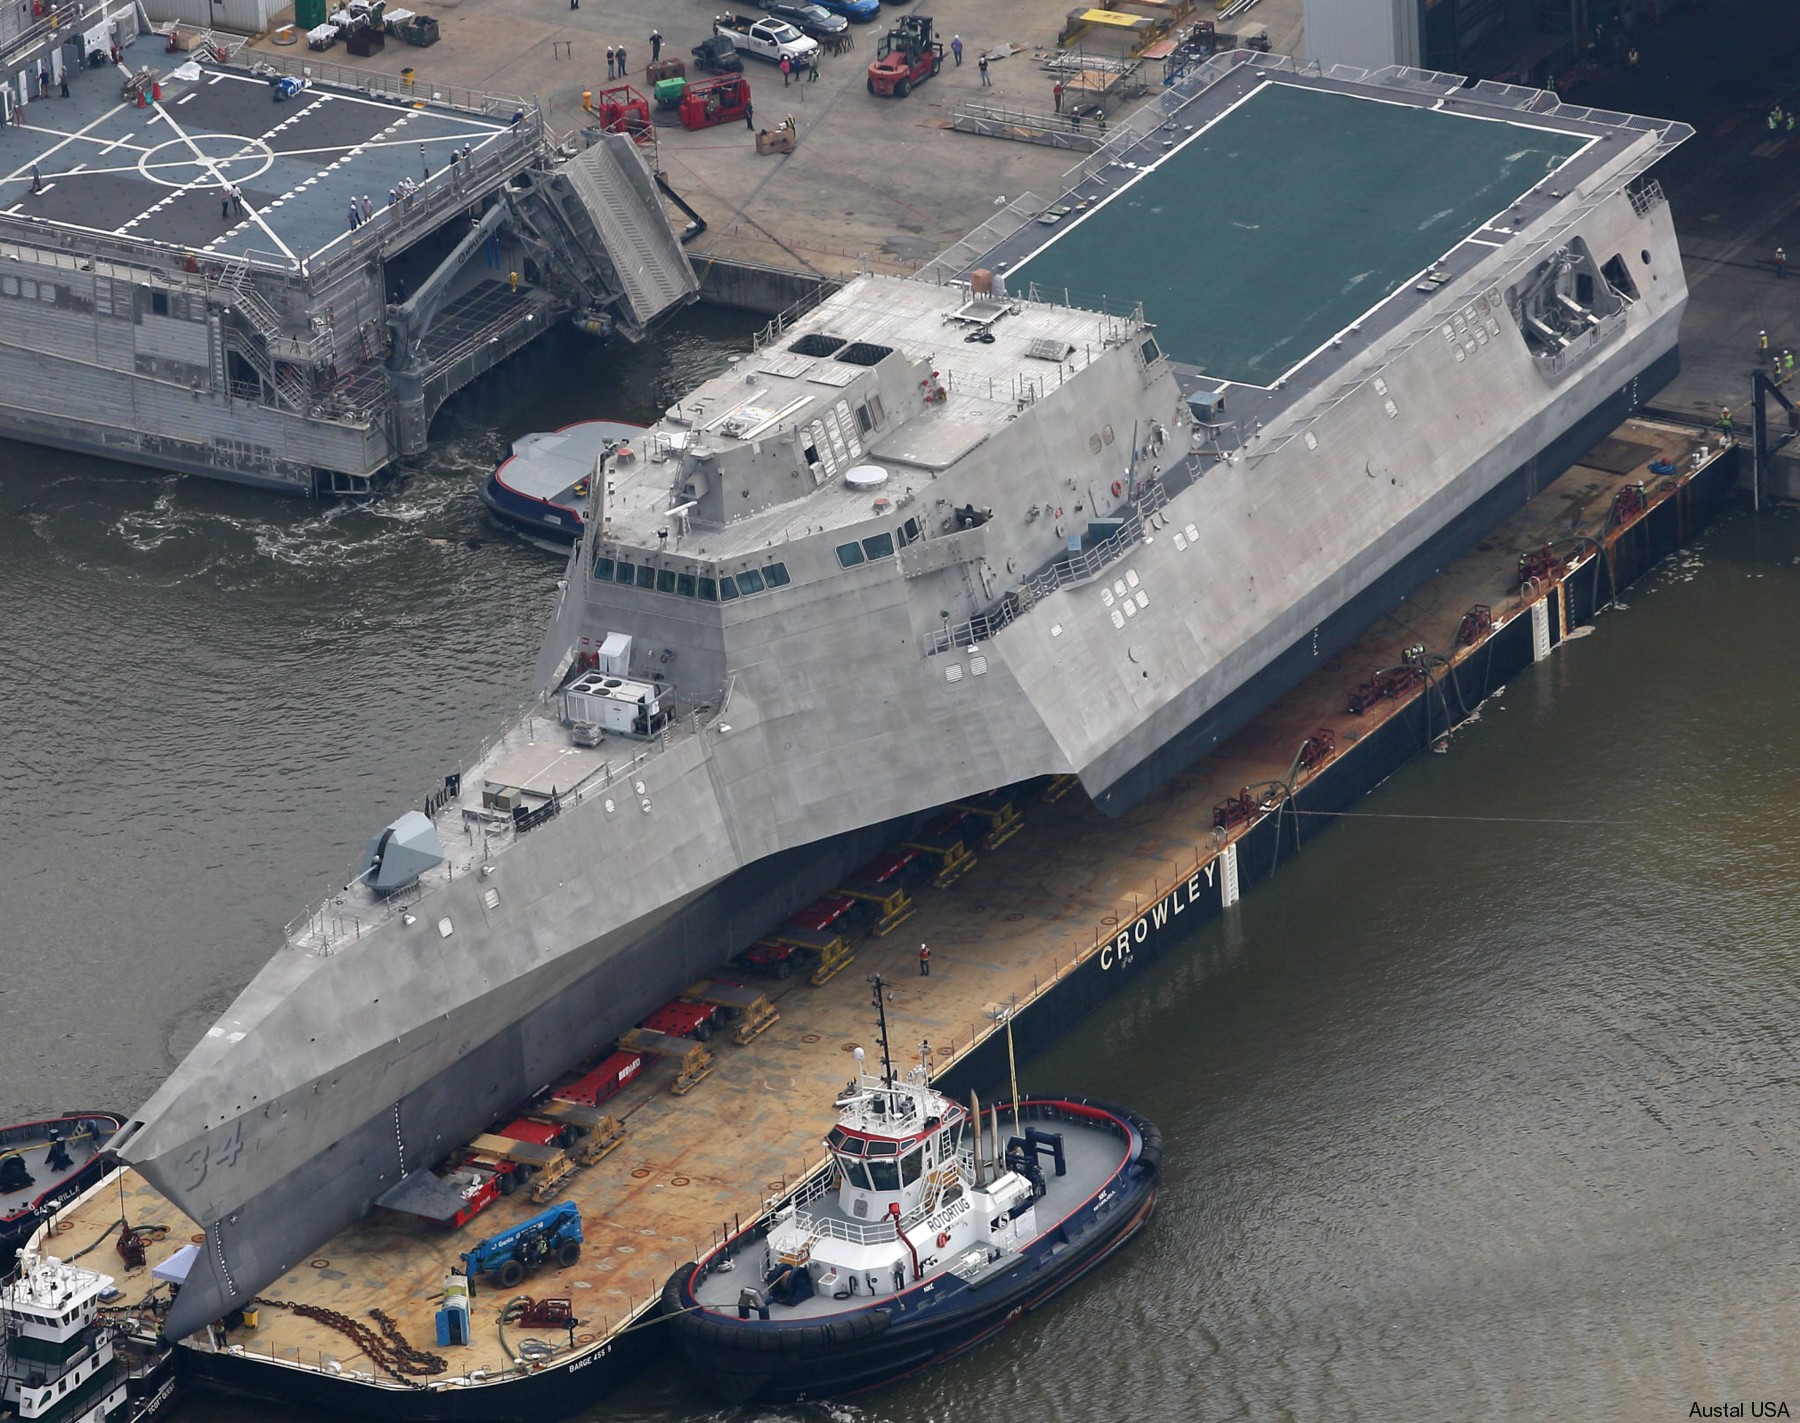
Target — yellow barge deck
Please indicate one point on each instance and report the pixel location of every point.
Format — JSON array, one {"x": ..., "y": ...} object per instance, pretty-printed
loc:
[{"x": 1034, "y": 908}]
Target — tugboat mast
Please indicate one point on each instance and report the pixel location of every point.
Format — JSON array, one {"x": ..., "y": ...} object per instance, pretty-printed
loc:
[{"x": 881, "y": 1030}]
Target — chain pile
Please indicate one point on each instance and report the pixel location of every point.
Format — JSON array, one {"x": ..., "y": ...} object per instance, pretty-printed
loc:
[{"x": 390, "y": 1349}]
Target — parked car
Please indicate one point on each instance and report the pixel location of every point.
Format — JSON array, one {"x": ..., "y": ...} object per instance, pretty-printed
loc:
[
  {"x": 808, "y": 18},
  {"x": 857, "y": 10}
]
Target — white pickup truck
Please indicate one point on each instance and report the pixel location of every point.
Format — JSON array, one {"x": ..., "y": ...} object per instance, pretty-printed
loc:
[{"x": 773, "y": 40}]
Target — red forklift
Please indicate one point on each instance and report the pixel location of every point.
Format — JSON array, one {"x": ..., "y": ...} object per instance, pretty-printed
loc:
[
  {"x": 706, "y": 103},
  {"x": 908, "y": 55}
]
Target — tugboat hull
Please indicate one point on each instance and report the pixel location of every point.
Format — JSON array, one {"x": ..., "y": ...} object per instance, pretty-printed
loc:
[
  {"x": 50, "y": 1187},
  {"x": 856, "y": 1350}
]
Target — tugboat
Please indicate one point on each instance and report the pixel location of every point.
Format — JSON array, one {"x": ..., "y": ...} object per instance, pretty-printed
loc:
[
  {"x": 62, "y": 1359},
  {"x": 44, "y": 1165},
  {"x": 925, "y": 1234},
  {"x": 541, "y": 487}
]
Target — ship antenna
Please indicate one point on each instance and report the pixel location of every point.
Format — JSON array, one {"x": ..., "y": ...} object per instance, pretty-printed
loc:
[{"x": 881, "y": 1031}]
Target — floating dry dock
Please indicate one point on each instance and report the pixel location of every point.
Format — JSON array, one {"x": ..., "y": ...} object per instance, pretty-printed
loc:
[{"x": 1070, "y": 907}]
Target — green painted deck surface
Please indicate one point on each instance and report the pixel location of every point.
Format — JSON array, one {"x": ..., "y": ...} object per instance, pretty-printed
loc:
[{"x": 1288, "y": 218}]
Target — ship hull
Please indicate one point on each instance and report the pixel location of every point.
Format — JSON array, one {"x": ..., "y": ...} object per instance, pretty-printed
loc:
[
  {"x": 555, "y": 1391},
  {"x": 629, "y": 977},
  {"x": 542, "y": 520},
  {"x": 1451, "y": 540},
  {"x": 635, "y": 969}
]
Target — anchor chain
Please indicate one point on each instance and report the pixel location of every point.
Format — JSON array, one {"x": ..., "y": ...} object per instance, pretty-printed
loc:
[{"x": 390, "y": 1349}]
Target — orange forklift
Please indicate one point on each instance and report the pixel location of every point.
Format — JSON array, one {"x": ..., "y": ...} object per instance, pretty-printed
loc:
[{"x": 907, "y": 56}]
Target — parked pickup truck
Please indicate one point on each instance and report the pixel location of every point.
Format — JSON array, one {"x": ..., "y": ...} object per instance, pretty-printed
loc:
[{"x": 773, "y": 40}]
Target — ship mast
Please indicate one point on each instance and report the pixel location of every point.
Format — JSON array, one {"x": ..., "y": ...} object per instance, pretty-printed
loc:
[{"x": 881, "y": 1030}]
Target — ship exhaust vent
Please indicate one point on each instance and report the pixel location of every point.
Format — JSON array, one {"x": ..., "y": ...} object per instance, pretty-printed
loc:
[
  {"x": 864, "y": 353},
  {"x": 816, "y": 343}
]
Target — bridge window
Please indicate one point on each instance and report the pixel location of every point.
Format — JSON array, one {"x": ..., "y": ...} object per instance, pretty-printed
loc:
[
  {"x": 665, "y": 580},
  {"x": 909, "y": 532},
  {"x": 853, "y": 1169},
  {"x": 849, "y": 555},
  {"x": 684, "y": 585},
  {"x": 646, "y": 577},
  {"x": 885, "y": 1175},
  {"x": 909, "y": 1167},
  {"x": 603, "y": 569},
  {"x": 777, "y": 575},
  {"x": 727, "y": 590},
  {"x": 626, "y": 572},
  {"x": 879, "y": 545},
  {"x": 749, "y": 581},
  {"x": 1150, "y": 351},
  {"x": 709, "y": 590}
]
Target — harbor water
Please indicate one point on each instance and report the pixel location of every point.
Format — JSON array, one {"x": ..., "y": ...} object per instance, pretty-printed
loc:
[{"x": 1481, "y": 1110}]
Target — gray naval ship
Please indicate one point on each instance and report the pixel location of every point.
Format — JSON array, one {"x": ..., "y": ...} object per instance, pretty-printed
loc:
[{"x": 937, "y": 535}]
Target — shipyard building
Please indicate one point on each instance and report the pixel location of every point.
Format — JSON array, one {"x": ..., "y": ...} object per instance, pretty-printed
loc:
[{"x": 249, "y": 275}]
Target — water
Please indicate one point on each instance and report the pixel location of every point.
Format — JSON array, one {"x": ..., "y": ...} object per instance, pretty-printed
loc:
[{"x": 1467, "y": 1117}]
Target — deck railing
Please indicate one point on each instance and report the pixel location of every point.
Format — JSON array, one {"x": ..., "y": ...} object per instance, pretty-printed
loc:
[
  {"x": 1069, "y": 569},
  {"x": 335, "y": 921}
]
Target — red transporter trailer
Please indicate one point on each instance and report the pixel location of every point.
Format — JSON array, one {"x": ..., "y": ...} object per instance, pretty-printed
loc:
[
  {"x": 682, "y": 1019},
  {"x": 604, "y": 1080}
]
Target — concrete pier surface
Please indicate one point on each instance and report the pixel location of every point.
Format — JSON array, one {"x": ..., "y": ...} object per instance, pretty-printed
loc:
[{"x": 872, "y": 181}]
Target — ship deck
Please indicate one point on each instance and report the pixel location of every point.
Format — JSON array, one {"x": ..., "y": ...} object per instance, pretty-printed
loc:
[
  {"x": 1319, "y": 204},
  {"x": 110, "y": 169},
  {"x": 1028, "y": 913}
]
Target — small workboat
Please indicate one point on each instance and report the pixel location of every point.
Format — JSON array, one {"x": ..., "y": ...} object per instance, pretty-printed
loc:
[
  {"x": 45, "y": 1165},
  {"x": 541, "y": 487},
  {"x": 70, "y": 1354},
  {"x": 933, "y": 1226}
]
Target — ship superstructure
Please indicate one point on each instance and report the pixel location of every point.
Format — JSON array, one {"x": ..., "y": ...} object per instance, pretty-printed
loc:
[
  {"x": 255, "y": 276},
  {"x": 933, "y": 536}
]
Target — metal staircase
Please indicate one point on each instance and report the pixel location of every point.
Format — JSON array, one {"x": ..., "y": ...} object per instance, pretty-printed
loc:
[
  {"x": 289, "y": 388},
  {"x": 234, "y": 284}
]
